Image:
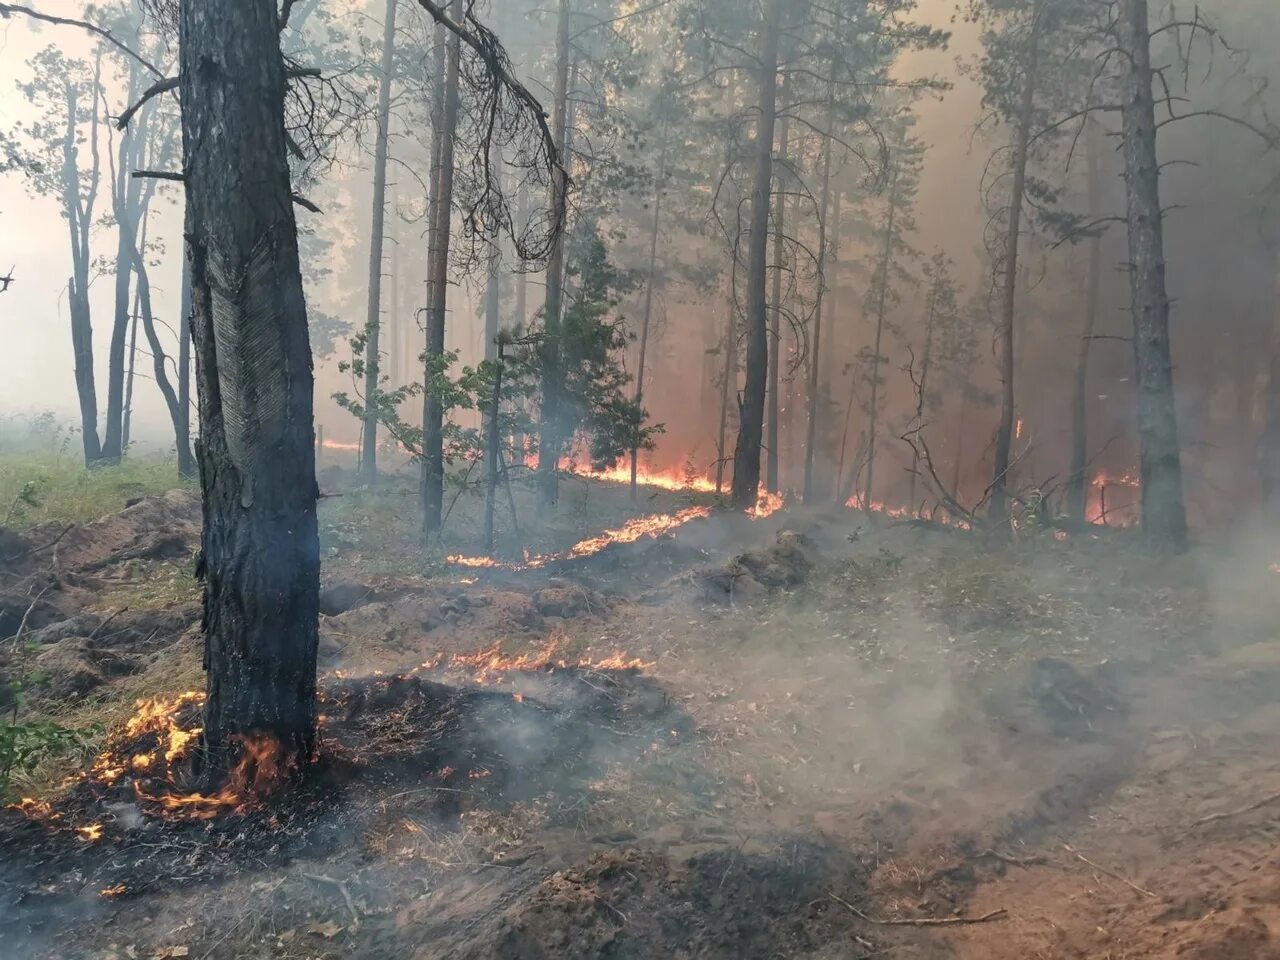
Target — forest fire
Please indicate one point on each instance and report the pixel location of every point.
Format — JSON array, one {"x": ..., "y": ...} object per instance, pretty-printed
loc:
[
  {"x": 489, "y": 664},
  {"x": 1105, "y": 509},
  {"x": 340, "y": 445}
]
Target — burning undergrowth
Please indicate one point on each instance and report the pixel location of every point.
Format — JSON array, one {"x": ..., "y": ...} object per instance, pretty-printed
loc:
[{"x": 391, "y": 748}]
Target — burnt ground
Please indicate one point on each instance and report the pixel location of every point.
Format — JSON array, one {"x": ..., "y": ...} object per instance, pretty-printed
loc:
[{"x": 847, "y": 740}]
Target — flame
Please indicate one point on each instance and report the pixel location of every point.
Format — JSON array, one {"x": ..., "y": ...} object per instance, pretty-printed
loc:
[
  {"x": 489, "y": 662},
  {"x": 91, "y": 833},
  {"x": 115, "y": 891},
  {"x": 1017, "y": 432},
  {"x": 264, "y": 766},
  {"x": 1104, "y": 512},
  {"x": 766, "y": 504},
  {"x": 645, "y": 477},
  {"x": 340, "y": 445}
]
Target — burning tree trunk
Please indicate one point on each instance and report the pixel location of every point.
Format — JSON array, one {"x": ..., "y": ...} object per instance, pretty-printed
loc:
[
  {"x": 815, "y": 345},
  {"x": 549, "y": 439},
  {"x": 369, "y": 438},
  {"x": 775, "y": 315},
  {"x": 1021, "y": 145},
  {"x": 882, "y": 304},
  {"x": 746, "y": 457},
  {"x": 647, "y": 316},
  {"x": 438, "y": 291},
  {"x": 1077, "y": 481},
  {"x": 79, "y": 216},
  {"x": 260, "y": 555},
  {"x": 1164, "y": 519}
]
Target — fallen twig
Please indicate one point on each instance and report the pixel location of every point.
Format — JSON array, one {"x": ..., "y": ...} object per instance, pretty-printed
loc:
[
  {"x": 1012, "y": 861},
  {"x": 923, "y": 921},
  {"x": 1215, "y": 817},
  {"x": 346, "y": 895},
  {"x": 1110, "y": 873}
]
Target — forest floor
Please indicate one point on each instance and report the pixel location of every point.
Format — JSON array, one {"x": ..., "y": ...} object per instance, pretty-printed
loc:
[{"x": 814, "y": 735}]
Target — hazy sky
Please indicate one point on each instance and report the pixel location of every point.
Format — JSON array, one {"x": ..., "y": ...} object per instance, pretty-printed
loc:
[{"x": 35, "y": 366}]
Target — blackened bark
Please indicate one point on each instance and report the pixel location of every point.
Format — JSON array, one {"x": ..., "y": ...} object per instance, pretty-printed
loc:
[
  {"x": 728, "y": 386},
  {"x": 882, "y": 306},
  {"x": 182, "y": 426},
  {"x": 647, "y": 315},
  {"x": 127, "y": 418},
  {"x": 1077, "y": 481},
  {"x": 549, "y": 431},
  {"x": 260, "y": 556},
  {"x": 79, "y": 216},
  {"x": 1018, "y": 187},
  {"x": 815, "y": 341},
  {"x": 493, "y": 450},
  {"x": 1164, "y": 519},
  {"x": 775, "y": 314},
  {"x": 373, "y": 319},
  {"x": 922, "y": 388},
  {"x": 126, "y": 201},
  {"x": 746, "y": 456},
  {"x": 433, "y": 409}
]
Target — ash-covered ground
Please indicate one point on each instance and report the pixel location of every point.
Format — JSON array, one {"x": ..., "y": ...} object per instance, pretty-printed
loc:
[{"x": 815, "y": 735}]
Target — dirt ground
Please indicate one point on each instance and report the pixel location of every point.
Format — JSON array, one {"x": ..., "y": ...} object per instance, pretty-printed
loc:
[{"x": 826, "y": 736}]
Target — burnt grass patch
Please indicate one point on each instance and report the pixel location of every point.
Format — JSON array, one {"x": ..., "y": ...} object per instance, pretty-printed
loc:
[{"x": 402, "y": 746}]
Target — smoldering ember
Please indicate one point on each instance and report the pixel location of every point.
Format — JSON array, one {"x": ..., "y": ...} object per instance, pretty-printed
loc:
[{"x": 698, "y": 479}]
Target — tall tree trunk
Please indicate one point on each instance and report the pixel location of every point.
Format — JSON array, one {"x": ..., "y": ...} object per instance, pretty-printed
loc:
[
  {"x": 182, "y": 426},
  {"x": 493, "y": 449},
  {"x": 373, "y": 317},
  {"x": 882, "y": 306},
  {"x": 1077, "y": 481},
  {"x": 815, "y": 341},
  {"x": 965, "y": 386},
  {"x": 126, "y": 201},
  {"x": 926, "y": 361},
  {"x": 79, "y": 216},
  {"x": 158, "y": 357},
  {"x": 728, "y": 386},
  {"x": 1021, "y": 144},
  {"x": 260, "y": 553},
  {"x": 746, "y": 456},
  {"x": 1164, "y": 519},
  {"x": 493, "y": 282},
  {"x": 775, "y": 315},
  {"x": 438, "y": 287},
  {"x": 647, "y": 315},
  {"x": 549, "y": 438},
  {"x": 127, "y": 417}
]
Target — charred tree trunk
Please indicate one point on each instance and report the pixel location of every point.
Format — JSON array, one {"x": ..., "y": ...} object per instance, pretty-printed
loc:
[
  {"x": 182, "y": 426},
  {"x": 815, "y": 341},
  {"x": 549, "y": 438},
  {"x": 922, "y": 388},
  {"x": 373, "y": 318},
  {"x": 647, "y": 315},
  {"x": 775, "y": 315},
  {"x": 126, "y": 420},
  {"x": 438, "y": 287},
  {"x": 260, "y": 554},
  {"x": 79, "y": 216},
  {"x": 1164, "y": 519},
  {"x": 1077, "y": 481},
  {"x": 728, "y": 387},
  {"x": 493, "y": 449},
  {"x": 746, "y": 456},
  {"x": 126, "y": 201},
  {"x": 882, "y": 305},
  {"x": 1021, "y": 145}
]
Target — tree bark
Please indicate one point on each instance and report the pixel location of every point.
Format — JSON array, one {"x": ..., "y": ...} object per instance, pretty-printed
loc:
[
  {"x": 922, "y": 397},
  {"x": 549, "y": 438},
  {"x": 746, "y": 456},
  {"x": 79, "y": 216},
  {"x": 775, "y": 315},
  {"x": 373, "y": 317},
  {"x": 873, "y": 413},
  {"x": 728, "y": 387},
  {"x": 1164, "y": 519},
  {"x": 647, "y": 315},
  {"x": 1077, "y": 481},
  {"x": 182, "y": 427},
  {"x": 1022, "y": 139},
  {"x": 493, "y": 450},
  {"x": 158, "y": 356},
  {"x": 815, "y": 341},
  {"x": 126, "y": 198},
  {"x": 260, "y": 555},
  {"x": 438, "y": 287}
]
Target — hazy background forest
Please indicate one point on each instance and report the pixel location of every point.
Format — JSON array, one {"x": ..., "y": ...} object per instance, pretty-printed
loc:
[{"x": 1221, "y": 243}]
